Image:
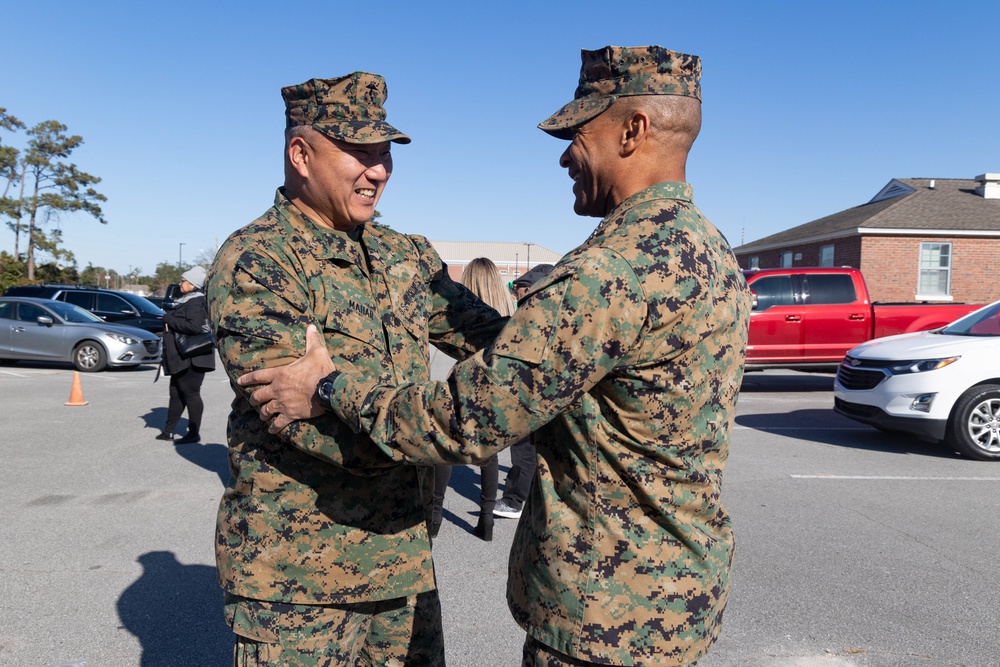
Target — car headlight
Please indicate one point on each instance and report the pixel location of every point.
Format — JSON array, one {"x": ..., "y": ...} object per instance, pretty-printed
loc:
[
  {"x": 122, "y": 338},
  {"x": 921, "y": 365}
]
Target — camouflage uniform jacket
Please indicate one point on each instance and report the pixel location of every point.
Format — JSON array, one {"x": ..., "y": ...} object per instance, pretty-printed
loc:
[
  {"x": 318, "y": 514},
  {"x": 627, "y": 359}
]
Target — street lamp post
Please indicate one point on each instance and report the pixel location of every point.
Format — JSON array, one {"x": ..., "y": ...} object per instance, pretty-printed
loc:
[
  {"x": 529, "y": 255},
  {"x": 180, "y": 255}
]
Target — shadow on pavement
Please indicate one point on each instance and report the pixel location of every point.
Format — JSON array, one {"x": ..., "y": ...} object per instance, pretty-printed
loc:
[
  {"x": 810, "y": 425},
  {"x": 175, "y": 611},
  {"x": 212, "y": 457},
  {"x": 465, "y": 481},
  {"x": 157, "y": 417},
  {"x": 786, "y": 382}
]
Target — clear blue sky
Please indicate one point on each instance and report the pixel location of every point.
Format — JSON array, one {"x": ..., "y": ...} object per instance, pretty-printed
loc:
[{"x": 809, "y": 108}]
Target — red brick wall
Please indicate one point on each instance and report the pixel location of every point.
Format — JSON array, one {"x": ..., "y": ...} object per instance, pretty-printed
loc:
[
  {"x": 891, "y": 267},
  {"x": 846, "y": 252},
  {"x": 891, "y": 264},
  {"x": 979, "y": 278}
]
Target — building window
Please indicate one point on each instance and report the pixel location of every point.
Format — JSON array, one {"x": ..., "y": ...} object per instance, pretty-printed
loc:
[
  {"x": 826, "y": 255},
  {"x": 935, "y": 270},
  {"x": 786, "y": 260},
  {"x": 755, "y": 262}
]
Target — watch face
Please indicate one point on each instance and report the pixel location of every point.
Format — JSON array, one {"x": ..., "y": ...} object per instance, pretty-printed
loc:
[{"x": 325, "y": 388}]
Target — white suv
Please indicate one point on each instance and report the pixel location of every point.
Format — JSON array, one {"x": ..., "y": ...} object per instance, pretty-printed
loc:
[{"x": 941, "y": 385}]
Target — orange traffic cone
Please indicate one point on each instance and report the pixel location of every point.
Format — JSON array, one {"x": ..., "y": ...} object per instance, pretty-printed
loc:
[{"x": 76, "y": 393}]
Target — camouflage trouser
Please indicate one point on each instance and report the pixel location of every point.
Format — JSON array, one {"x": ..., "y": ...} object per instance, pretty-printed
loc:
[
  {"x": 537, "y": 654},
  {"x": 390, "y": 633}
]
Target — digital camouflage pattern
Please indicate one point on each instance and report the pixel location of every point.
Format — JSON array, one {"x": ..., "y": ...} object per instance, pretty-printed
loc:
[
  {"x": 349, "y": 108},
  {"x": 387, "y": 632},
  {"x": 316, "y": 514},
  {"x": 620, "y": 71},
  {"x": 626, "y": 360}
]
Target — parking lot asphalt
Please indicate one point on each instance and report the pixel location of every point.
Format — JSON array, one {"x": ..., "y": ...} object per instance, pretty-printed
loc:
[{"x": 855, "y": 548}]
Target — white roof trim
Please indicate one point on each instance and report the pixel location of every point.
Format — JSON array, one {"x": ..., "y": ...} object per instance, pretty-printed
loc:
[
  {"x": 893, "y": 189},
  {"x": 929, "y": 232},
  {"x": 870, "y": 231}
]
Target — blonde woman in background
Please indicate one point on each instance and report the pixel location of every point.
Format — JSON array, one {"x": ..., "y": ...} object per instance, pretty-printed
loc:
[{"x": 482, "y": 278}]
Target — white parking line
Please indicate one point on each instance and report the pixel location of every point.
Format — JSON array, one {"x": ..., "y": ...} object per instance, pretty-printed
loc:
[
  {"x": 900, "y": 477},
  {"x": 738, "y": 427}
]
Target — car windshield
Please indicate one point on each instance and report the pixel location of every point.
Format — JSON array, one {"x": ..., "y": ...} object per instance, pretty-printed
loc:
[
  {"x": 983, "y": 322},
  {"x": 72, "y": 313}
]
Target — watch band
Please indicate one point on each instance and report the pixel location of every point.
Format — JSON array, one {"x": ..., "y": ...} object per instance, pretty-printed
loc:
[{"x": 325, "y": 389}]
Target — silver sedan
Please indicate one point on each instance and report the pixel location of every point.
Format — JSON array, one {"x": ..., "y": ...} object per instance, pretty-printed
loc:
[{"x": 44, "y": 330}]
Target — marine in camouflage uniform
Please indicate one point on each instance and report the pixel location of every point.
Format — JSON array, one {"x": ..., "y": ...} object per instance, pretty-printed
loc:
[
  {"x": 321, "y": 541},
  {"x": 626, "y": 362}
]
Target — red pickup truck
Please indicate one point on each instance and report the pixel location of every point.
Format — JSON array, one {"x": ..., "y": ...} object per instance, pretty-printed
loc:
[{"x": 810, "y": 317}]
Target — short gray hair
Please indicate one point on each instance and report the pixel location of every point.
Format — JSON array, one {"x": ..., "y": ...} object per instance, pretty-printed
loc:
[
  {"x": 296, "y": 131},
  {"x": 673, "y": 117}
]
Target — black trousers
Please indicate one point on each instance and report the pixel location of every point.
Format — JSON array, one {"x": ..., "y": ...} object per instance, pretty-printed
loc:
[
  {"x": 489, "y": 479},
  {"x": 522, "y": 471},
  {"x": 185, "y": 392}
]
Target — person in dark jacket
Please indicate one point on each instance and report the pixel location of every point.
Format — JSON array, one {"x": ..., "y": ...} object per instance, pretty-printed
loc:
[
  {"x": 189, "y": 316},
  {"x": 522, "y": 452}
]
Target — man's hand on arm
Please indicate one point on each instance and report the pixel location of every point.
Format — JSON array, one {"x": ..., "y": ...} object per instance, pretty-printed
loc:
[{"x": 288, "y": 393}]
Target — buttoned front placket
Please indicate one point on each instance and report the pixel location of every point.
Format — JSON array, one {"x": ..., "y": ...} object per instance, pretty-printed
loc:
[{"x": 392, "y": 327}]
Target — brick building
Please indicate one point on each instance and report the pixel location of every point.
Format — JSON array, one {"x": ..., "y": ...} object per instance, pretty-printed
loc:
[{"x": 918, "y": 239}]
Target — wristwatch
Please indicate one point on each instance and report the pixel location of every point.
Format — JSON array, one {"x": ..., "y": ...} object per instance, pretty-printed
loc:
[{"x": 325, "y": 389}]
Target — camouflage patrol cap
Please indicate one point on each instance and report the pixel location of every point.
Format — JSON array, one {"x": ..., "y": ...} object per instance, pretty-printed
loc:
[
  {"x": 619, "y": 71},
  {"x": 348, "y": 108}
]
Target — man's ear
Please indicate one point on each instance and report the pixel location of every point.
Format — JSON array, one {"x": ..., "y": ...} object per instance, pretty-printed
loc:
[
  {"x": 299, "y": 155},
  {"x": 635, "y": 130}
]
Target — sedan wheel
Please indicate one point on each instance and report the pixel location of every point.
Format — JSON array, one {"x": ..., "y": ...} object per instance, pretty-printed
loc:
[
  {"x": 89, "y": 357},
  {"x": 974, "y": 429}
]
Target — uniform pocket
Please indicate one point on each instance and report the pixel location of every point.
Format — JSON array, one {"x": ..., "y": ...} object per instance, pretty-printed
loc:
[
  {"x": 528, "y": 336},
  {"x": 251, "y": 621}
]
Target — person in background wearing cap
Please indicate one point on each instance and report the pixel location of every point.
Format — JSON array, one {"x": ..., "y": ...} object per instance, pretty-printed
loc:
[
  {"x": 522, "y": 283},
  {"x": 522, "y": 453},
  {"x": 625, "y": 361},
  {"x": 321, "y": 544},
  {"x": 189, "y": 316}
]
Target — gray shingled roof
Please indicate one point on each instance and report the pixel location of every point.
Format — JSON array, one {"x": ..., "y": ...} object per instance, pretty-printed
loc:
[{"x": 952, "y": 205}]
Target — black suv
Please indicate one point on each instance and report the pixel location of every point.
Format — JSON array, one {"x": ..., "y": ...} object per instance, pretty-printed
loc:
[
  {"x": 170, "y": 295},
  {"x": 108, "y": 304}
]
